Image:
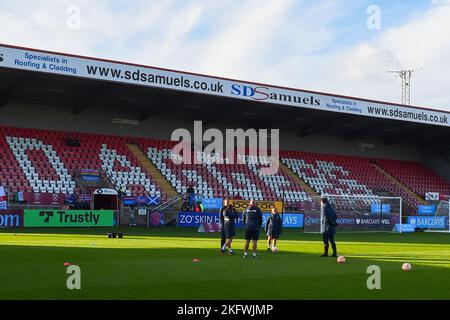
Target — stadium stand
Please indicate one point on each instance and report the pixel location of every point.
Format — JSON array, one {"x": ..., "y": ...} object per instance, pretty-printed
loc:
[
  {"x": 338, "y": 174},
  {"x": 41, "y": 161},
  {"x": 417, "y": 177},
  {"x": 222, "y": 179},
  {"x": 41, "y": 165}
]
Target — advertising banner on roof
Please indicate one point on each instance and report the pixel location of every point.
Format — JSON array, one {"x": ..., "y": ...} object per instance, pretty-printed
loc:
[{"x": 98, "y": 69}]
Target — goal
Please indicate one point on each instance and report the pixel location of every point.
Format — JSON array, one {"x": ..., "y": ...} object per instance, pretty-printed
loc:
[
  {"x": 440, "y": 221},
  {"x": 357, "y": 213}
]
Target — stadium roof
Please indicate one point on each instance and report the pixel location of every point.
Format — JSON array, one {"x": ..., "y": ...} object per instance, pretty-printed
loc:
[{"x": 68, "y": 81}]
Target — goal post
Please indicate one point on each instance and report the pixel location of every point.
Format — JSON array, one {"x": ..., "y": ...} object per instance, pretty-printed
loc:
[
  {"x": 440, "y": 220},
  {"x": 358, "y": 213}
]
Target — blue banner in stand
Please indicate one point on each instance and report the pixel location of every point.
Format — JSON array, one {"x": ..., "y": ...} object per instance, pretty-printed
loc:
[
  {"x": 427, "y": 210},
  {"x": 212, "y": 203},
  {"x": 129, "y": 201},
  {"x": 194, "y": 219},
  {"x": 149, "y": 201},
  {"x": 377, "y": 208},
  {"x": 143, "y": 201}
]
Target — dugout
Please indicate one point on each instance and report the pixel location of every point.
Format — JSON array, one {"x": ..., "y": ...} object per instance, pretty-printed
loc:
[{"x": 106, "y": 199}]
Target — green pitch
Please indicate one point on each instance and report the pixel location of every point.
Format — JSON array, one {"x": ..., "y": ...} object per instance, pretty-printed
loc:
[{"x": 157, "y": 264}]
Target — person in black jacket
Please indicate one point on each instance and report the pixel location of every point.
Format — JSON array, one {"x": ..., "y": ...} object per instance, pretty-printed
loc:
[
  {"x": 274, "y": 225},
  {"x": 223, "y": 238},
  {"x": 253, "y": 221},
  {"x": 228, "y": 215},
  {"x": 190, "y": 192},
  {"x": 328, "y": 227}
]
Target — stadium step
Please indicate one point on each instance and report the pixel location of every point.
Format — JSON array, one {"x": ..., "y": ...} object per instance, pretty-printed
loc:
[
  {"x": 298, "y": 180},
  {"x": 398, "y": 183},
  {"x": 157, "y": 177}
]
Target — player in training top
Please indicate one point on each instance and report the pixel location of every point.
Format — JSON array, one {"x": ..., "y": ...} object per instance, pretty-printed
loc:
[
  {"x": 228, "y": 215},
  {"x": 328, "y": 227},
  {"x": 252, "y": 221},
  {"x": 274, "y": 225}
]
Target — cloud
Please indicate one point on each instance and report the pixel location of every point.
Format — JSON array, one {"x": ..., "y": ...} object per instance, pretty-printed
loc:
[
  {"x": 320, "y": 45},
  {"x": 422, "y": 41}
]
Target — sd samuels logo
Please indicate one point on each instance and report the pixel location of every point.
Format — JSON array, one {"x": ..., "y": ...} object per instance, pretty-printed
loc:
[
  {"x": 1, "y": 57},
  {"x": 265, "y": 93}
]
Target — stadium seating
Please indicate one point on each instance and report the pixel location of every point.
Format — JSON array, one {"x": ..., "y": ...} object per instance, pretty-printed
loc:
[
  {"x": 338, "y": 174},
  {"x": 220, "y": 178},
  {"x": 41, "y": 165},
  {"x": 417, "y": 177},
  {"x": 42, "y": 161},
  {"x": 124, "y": 173}
]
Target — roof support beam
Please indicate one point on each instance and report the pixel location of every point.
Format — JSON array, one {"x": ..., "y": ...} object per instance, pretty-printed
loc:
[
  {"x": 5, "y": 98},
  {"x": 409, "y": 133},
  {"x": 92, "y": 96},
  {"x": 154, "y": 110},
  {"x": 316, "y": 125},
  {"x": 367, "y": 130}
]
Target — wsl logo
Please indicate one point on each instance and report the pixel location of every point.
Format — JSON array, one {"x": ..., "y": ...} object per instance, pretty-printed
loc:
[{"x": 1, "y": 57}]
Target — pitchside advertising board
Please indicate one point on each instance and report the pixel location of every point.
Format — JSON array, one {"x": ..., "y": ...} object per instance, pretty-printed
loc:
[
  {"x": 194, "y": 219},
  {"x": 11, "y": 219},
  {"x": 264, "y": 206},
  {"x": 356, "y": 222},
  {"x": 89, "y": 68},
  {"x": 69, "y": 218},
  {"x": 429, "y": 222}
]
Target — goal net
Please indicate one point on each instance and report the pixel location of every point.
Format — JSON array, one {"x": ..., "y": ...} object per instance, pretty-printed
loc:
[
  {"x": 357, "y": 213},
  {"x": 440, "y": 221}
]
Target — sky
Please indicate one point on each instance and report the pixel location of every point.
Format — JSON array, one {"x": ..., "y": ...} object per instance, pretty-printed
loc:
[{"x": 336, "y": 46}]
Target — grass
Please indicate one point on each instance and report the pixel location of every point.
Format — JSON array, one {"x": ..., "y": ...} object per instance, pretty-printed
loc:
[{"x": 157, "y": 264}]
